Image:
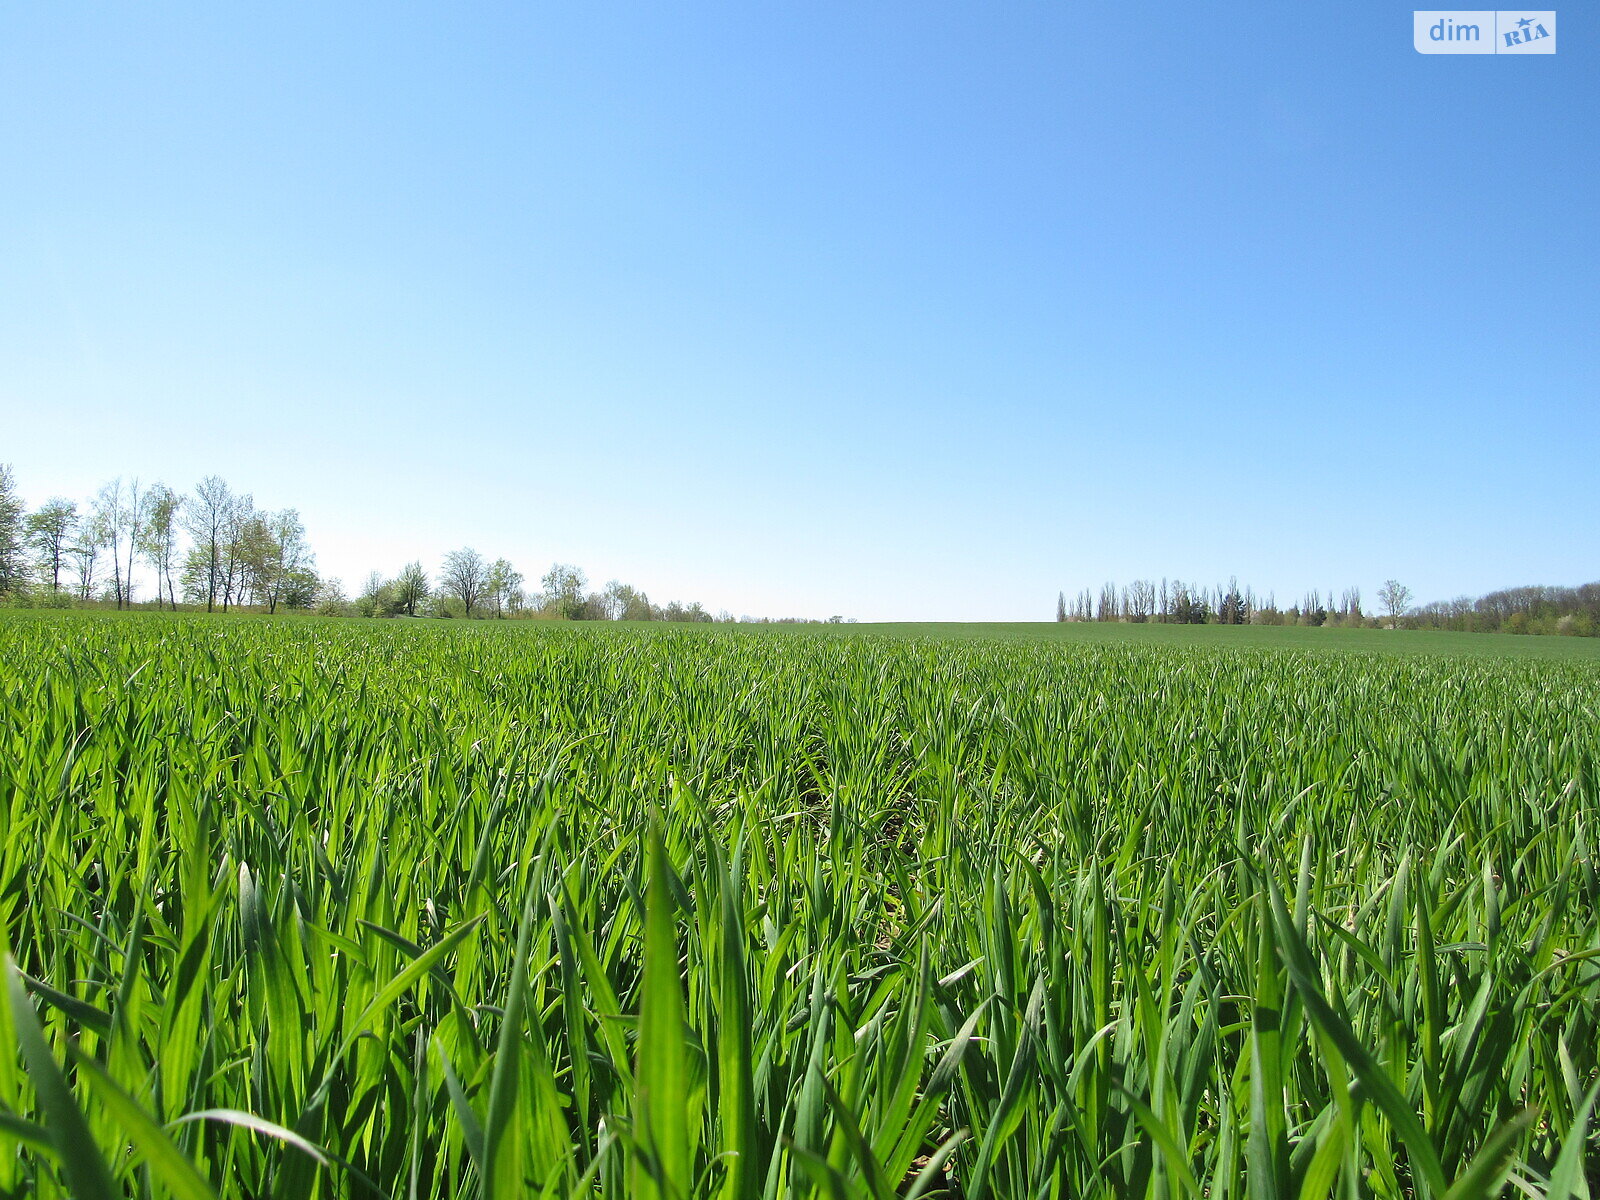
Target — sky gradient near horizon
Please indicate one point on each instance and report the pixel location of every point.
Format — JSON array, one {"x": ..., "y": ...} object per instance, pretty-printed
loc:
[{"x": 896, "y": 311}]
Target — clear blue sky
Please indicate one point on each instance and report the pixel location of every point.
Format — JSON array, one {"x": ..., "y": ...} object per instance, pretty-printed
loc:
[{"x": 889, "y": 310}]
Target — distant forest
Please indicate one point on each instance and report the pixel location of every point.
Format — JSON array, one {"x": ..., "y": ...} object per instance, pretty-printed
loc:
[
  {"x": 214, "y": 549},
  {"x": 1572, "y": 611}
]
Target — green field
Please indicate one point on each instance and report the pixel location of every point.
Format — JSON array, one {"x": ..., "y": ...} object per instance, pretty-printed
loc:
[
  {"x": 319, "y": 908},
  {"x": 1258, "y": 637}
]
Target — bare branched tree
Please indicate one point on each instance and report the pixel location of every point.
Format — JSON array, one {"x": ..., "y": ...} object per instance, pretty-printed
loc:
[
  {"x": 465, "y": 575},
  {"x": 207, "y": 515},
  {"x": 119, "y": 512},
  {"x": 1395, "y": 596}
]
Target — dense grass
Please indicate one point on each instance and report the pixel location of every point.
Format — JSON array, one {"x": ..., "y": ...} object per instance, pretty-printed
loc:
[
  {"x": 306, "y": 908},
  {"x": 1260, "y": 637}
]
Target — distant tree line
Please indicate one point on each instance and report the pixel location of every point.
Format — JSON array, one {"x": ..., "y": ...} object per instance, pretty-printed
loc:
[
  {"x": 1176, "y": 602},
  {"x": 469, "y": 585},
  {"x": 133, "y": 545},
  {"x": 1560, "y": 610},
  {"x": 1553, "y": 610}
]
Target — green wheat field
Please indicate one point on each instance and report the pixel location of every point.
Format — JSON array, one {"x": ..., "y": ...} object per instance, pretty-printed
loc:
[{"x": 306, "y": 908}]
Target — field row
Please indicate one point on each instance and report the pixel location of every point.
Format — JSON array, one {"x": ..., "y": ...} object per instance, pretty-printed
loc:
[{"x": 324, "y": 909}]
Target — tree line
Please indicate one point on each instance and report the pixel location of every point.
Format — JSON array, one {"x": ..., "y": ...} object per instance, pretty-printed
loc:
[
  {"x": 214, "y": 547},
  {"x": 1572, "y": 611},
  {"x": 150, "y": 546},
  {"x": 1534, "y": 609},
  {"x": 1176, "y": 602}
]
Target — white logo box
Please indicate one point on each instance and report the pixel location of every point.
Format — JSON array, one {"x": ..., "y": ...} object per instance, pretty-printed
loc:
[{"x": 1484, "y": 31}]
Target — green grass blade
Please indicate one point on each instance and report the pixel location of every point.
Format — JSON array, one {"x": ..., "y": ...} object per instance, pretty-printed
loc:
[
  {"x": 81, "y": 1162},
  {"x": 167, "y": 1163},
  {"x": 662, "y": 1103}
]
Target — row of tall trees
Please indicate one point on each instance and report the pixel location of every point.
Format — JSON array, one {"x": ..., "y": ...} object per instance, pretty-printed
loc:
[
  {"x": 1175, "y": 602},
  {"x": 1566, "y": 610},
  {"x": 214, "y": 547},
  {"x": 214, "y": 544}
]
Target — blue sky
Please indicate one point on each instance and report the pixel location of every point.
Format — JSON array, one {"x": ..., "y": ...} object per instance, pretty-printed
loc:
[{"x": 899, "y": 311}]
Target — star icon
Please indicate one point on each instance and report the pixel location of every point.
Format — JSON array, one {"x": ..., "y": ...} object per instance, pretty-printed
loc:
[{"x": 1525, "y": 22}]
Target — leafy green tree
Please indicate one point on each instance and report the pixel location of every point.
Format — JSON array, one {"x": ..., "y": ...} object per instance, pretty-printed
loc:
[
  {"x": 243, "y": 548},
  {"x": 626, "y": 603},
  {"x": 563, "y": 587},
  {"x": 504, "y": 581},
  {"x": 158, "y": 540},
  {"x": 289, "y": 559},
  {"x": 252, "y": 555},
  {"x": 49, "y": 532},
  {"x": 412, "y": 588},
  {"x": 330, "y": 599},
  {"x": 377, "y": 598},
  {"x": 84, "y": 551},
  {"x": 299, "y": 588}
]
